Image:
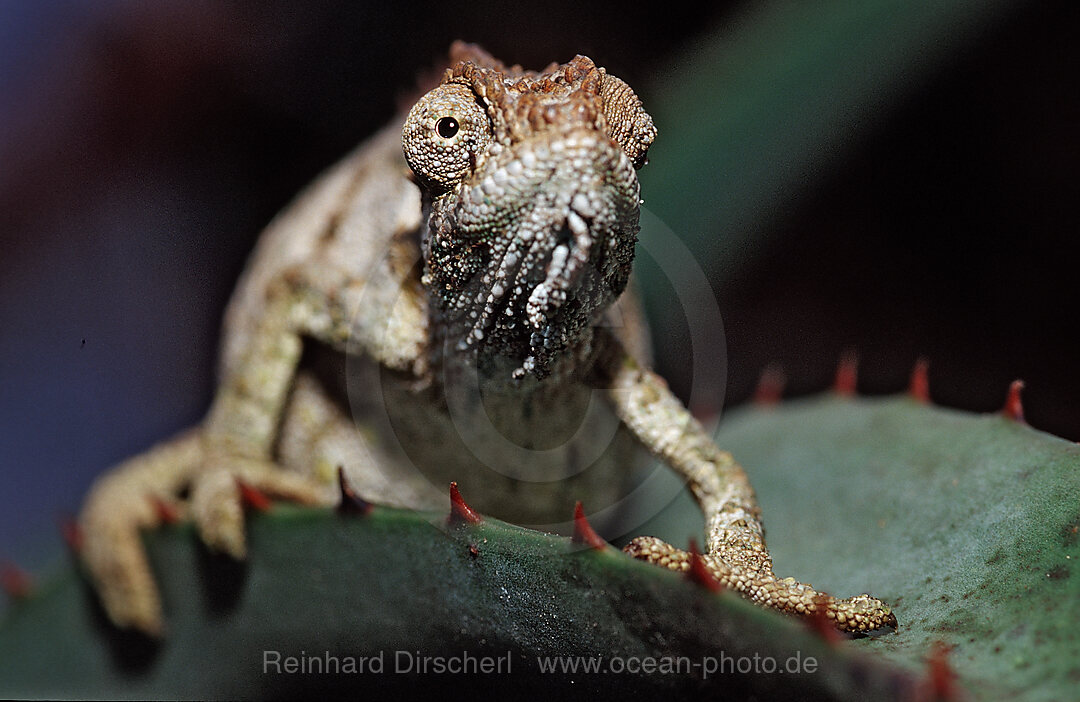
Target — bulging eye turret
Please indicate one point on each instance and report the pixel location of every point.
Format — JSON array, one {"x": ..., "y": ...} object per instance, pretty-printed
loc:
[{"x": 443, "y": 134}]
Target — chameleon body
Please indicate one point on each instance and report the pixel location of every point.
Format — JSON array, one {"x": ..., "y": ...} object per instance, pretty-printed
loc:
[{"x": 447, "y": 303}]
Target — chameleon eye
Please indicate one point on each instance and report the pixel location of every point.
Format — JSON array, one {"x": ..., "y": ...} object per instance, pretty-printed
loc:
[
  {"x": 628, "y": 122},
  {"x": 444, "y": 134},
  {"x": 447, "y": 127}
]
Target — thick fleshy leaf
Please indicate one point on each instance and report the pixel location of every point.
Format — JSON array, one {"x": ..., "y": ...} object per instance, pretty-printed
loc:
[
  {"x": 967, "y": 524},
  {"x": 395, "y": 591}
]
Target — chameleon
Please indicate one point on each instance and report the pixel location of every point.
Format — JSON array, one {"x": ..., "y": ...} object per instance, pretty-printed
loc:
[{"x": 450, "y": 302}]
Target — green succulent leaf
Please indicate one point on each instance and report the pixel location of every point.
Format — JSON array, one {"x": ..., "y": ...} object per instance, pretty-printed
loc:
[
  {"x": 967, "y": 524},
  {"x": 972, "y": 531}
]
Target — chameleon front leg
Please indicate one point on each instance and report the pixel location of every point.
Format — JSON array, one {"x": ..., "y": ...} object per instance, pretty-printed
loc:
[
  {"x": 241, "y": 429},
  {"x": 233, "y": 443},
  {"x": 736, "y": 554}
]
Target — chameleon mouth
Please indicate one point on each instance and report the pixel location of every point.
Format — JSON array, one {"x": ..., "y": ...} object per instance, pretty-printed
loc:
[
  {"x": 546, "y": 287},
  {"x": 566, "y": 210},
  {"x": 566, "y": 264},
  {"x": 533, "y": 283}
]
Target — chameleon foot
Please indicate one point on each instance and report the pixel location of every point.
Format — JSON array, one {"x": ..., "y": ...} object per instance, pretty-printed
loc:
[
  {"x": 143, "y": 493},
  {"x": 217, "y": 501},
  {"x": 121, "y": 503},
  {"x": 858, "y": 614}
]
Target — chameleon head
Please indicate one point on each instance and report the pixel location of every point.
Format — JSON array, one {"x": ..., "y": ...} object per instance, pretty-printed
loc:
[{"x": 531, "y": 200}]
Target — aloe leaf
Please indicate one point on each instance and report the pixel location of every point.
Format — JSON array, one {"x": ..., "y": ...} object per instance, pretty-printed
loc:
[
  {"x": 967, "y": 523},
  {"x": 398, "y": 585}
]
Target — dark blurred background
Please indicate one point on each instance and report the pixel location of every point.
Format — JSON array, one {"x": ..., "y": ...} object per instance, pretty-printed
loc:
[{"x": 862, "y": 175}]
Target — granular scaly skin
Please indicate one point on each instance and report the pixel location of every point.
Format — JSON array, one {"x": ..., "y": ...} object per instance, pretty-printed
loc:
[
  {"x": 475, "y": 299},
  {"x": 736, "y": 554},
  {"x": 531, "y": 199},
  {"x": 858, "y": 614}
]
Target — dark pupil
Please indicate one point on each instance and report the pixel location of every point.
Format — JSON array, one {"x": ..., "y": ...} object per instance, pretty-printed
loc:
[{"x": 446, "y": 127}]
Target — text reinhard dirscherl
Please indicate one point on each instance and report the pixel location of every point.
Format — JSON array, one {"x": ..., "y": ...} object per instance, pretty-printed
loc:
[
  {"x": 466, "y": 663},
  {"x": 401, "y": 662}
]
